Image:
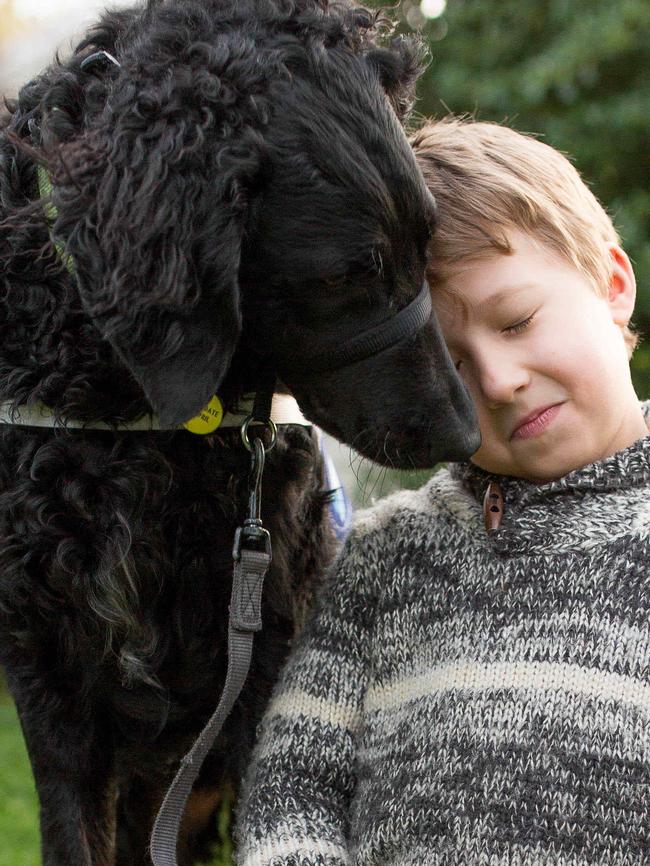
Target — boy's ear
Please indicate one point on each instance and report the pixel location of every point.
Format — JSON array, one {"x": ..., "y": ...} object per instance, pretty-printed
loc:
[{"x": 622, "y": 286}]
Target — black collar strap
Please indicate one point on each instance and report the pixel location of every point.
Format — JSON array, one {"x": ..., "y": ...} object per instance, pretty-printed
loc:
[{"x": 332, "y": 355}]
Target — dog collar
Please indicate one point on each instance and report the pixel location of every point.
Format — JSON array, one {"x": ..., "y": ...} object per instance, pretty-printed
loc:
[{"x": 284, "y": 410}]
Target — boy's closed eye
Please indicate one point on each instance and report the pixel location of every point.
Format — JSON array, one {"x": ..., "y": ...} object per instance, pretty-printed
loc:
[
  {"x": 517, "y": 328},
  {"x": 520, "y": 326}
]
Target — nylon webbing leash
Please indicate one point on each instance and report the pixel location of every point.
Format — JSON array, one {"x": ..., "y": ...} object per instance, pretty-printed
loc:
[
  {"x": 252, "y": 558},
  {"x": 249, "y": 575}
]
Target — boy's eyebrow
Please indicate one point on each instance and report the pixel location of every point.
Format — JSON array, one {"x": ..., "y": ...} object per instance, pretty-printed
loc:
[{"x": 493, "y": 300}]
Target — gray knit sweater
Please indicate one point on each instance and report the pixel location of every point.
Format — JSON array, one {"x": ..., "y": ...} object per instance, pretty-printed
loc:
[{"x": 469, "y": 698}]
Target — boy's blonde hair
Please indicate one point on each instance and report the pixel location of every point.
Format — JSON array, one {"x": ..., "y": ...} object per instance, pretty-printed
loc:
[{"x": 488, "y": 180}]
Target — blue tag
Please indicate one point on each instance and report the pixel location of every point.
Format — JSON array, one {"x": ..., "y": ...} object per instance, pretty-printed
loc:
[{"x": 341, "y": 509}]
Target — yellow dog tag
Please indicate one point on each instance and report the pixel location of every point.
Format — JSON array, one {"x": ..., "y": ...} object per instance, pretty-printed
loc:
[{"x": 208, "y": 418}]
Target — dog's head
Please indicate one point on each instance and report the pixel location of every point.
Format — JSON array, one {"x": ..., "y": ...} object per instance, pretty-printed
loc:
[
  {"x": 243, "y": 179},
  {"x": 336, "y": 245}
]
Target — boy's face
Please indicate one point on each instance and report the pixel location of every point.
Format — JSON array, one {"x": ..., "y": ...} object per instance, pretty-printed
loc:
[{"x": 544, "y": 359}]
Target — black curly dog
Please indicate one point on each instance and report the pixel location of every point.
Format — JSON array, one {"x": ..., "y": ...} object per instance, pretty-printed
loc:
[{"x": 238, "y": 187}]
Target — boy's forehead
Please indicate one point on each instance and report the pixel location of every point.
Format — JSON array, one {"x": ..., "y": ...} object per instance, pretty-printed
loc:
[{"x": 486, "y": 284}]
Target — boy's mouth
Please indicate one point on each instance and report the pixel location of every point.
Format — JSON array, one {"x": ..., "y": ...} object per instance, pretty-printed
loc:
[{"x": 535, "y": 422}]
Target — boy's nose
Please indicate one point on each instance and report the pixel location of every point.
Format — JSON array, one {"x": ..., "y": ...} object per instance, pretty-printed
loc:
[{"x": 500, "y": 377}]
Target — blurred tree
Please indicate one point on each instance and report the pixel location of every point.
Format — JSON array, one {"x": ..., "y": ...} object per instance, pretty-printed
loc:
[{"x": 577, "y": 72}]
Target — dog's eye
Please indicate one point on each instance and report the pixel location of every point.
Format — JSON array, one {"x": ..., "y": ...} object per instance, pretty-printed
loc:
[{"x": 361, "y": 270}]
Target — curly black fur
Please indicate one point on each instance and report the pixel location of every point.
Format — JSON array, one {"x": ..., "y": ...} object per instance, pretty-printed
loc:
[{"x": 240, "y": 183}]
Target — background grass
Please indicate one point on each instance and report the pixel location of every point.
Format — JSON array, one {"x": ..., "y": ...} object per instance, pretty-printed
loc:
[{"x": 19, "y": 844}]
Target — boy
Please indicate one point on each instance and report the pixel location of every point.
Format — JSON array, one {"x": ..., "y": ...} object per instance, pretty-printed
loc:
[{"x": 472, "y": 687}]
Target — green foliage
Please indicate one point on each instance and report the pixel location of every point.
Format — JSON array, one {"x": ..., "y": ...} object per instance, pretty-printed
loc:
[
  {"x": 576, "y": 72},
  {"x": 18, "y": 804}
]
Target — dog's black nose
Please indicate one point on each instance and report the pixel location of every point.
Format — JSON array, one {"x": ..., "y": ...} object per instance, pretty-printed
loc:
[{"x": 464, "y": 445}]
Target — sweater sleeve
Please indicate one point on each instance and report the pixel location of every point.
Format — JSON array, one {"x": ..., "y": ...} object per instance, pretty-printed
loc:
[{"x": 295, "y": 802}]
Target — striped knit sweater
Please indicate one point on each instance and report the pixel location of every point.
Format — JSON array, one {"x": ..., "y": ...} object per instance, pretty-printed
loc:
[{"x": 465, "y": 698}]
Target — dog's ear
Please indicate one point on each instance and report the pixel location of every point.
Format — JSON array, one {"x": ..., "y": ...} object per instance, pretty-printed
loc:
[
  {"x": 398, "y": 68},
  {"x": 152, "y": 202}
]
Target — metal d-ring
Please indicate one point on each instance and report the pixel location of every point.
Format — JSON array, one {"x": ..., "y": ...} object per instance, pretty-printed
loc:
[{"x": 268, "y": 423}]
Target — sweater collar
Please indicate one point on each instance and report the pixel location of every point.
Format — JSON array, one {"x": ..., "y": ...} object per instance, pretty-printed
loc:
[{"x": 569, "y": 511}]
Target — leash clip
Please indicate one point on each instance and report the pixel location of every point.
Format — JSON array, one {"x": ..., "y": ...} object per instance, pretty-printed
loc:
[
  {"x": 251, "y": 553},
  {"x": 252, "y": 535},
  {"x": 254, "y": 538}
]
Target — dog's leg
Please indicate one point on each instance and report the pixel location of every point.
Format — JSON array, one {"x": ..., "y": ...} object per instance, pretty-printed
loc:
[
  {"x": 199, "y": 825},
  {"x": 71, "y": 759},
  {"x": 138, "y": 805}
]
